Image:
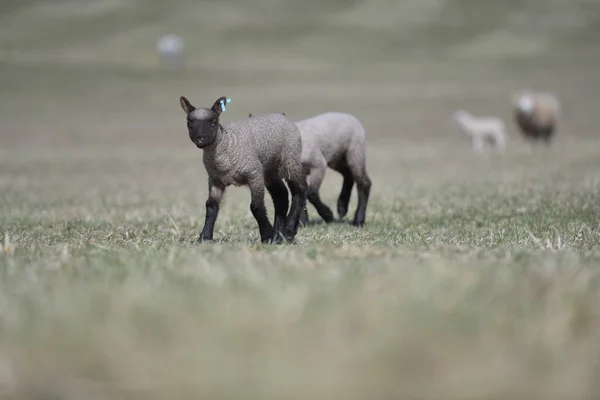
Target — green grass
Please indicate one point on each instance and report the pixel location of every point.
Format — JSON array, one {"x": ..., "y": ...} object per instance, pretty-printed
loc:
[
  {"x": 476, "y": 280},
  {"x": 476, "y": 277}
]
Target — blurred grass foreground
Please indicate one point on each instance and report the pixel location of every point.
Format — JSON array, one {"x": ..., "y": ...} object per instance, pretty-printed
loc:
[{"x": 476, "y": 276}]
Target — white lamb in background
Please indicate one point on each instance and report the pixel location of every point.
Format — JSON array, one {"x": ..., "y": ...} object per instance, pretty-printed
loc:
[{"x": 481, "y": 129}]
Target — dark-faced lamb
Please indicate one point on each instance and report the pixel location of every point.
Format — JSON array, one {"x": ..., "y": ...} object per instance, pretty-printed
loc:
[
  {"x": 335, "y": 140},
  {"x": 259, "y": 152},
  {"x": 536, "y": 115}
]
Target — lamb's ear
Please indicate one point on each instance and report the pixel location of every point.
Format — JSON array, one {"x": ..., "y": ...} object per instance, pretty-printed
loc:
[
  {"x": 220, "y": 105},
  {"x": 186, "y": 105}
]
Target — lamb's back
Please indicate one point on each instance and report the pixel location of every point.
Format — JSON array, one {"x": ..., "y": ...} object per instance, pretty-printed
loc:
[
  {"x": 272, "y": 138},
  {"x": 332, "y": 133}
]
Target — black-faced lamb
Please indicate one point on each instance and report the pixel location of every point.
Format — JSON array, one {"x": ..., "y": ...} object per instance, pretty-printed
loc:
[
  {"x": 536, "y": 115},
  {"x": 259, "y": 152},
  {"x": 335, "y": 140},
  {"x": 482, "y": 129}
]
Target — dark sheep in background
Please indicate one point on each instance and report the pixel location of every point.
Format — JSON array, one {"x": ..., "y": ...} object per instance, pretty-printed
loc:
[{"x": 536, "y": 115}]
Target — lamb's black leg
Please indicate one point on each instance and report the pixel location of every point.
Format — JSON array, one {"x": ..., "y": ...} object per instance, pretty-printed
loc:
[
  {"x": 314, "y": 180},
  {"x": 259, "y": 211},
  {"x": 304, "y": 217},
  {"x": 279, "y": 194},
  {"x": 364, "y": 189},
  {"x": 324, "y": 211},
  {"x": 298, "y": 190},
  {"x": 212, "y": 211},
  {"x": 345, "y": 194}
]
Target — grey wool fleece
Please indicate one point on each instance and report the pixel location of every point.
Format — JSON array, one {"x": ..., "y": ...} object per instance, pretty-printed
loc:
[
  {"x": 246, "y": 149},
  {"x": 335, "y": 140},
  {"x": 260, "y": 153}
]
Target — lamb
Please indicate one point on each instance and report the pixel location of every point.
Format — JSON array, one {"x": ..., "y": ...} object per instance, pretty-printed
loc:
[
  {"x": 258, "y": 153},
  {"x": 481, "y": 129},
  {"x": 335, "y": 140},
  {"x": 536, "y": 115}
]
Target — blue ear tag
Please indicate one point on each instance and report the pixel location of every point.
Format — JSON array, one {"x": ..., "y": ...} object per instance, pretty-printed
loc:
[{"x": 227, "y": 101}]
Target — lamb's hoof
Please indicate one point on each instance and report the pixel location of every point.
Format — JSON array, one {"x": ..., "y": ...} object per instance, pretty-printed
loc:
[
  {"x": 279, "y": 238},
  {"x": 328, "y": 218},
  {"x": 204, "y": 238},
  {"x": 290, "y": 239},
  {"x": 289, "y": 236},
  {"x": 303, "y": 221},
  {"x": 358, "y": 224},
  {"x": 342, "y": 211}
]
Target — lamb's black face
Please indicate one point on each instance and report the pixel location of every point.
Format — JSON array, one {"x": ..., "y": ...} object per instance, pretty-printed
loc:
[{"x": 203, "y": 126}]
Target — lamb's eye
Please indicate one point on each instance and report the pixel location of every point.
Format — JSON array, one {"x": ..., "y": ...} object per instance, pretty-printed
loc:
[
  {"x": 189, "y": 124},
  {"x": 213, "y": 123}
]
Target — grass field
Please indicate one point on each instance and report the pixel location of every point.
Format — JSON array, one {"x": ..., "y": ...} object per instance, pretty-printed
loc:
[{"x": 476, "y": 277}]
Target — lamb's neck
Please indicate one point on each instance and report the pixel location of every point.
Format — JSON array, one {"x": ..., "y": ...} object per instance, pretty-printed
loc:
[
  {"x": 467, "y": 120},
  {"x": 220, "y": 145}
]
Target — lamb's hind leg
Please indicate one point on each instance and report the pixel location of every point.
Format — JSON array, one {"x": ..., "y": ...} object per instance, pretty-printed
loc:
[
  {"x": 314, "y": 180},
  {"x": 346, "y": 192},
  {"x": 298, "y": 189},
  {"x": 304, "y": 217},
  {"x": 258, "y": 209},
  {"x": 279, "y": 194},
  {"x": 363, "y": 185}
]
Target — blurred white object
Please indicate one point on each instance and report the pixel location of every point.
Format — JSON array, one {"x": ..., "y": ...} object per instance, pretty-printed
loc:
[
  {"x": 481, "y": 129},
  {"x": 170, "y": 50},
  {"x": 525, "y": 104}
]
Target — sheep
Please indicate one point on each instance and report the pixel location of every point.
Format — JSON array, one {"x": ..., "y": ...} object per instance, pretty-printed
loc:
[
  {"x": 536, "y": 115},
  {"x": 335, "y": 140},
  {"x": 481, "y": 129},
  {"x": 258, "y": 153}
]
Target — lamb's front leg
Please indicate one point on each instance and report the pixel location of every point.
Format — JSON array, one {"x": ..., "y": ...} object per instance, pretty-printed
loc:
[
  {"x": 477, "y": 142},
  {"x": 215, "y": 194},
  {"x": 279, "y": 193},
  {"x": 258, "y": 209}
]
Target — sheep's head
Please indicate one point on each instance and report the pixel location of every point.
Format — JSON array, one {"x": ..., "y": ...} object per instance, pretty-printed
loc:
[
  {"x": 460, "y": 115},
  {"x": 523, "y": 101},
  {"x": 203, "y": 123},
  {"x": 525, "y": 104}
]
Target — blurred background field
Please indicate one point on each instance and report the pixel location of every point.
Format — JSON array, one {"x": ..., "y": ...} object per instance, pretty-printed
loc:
[
  {"x": 476, "y": 276},
  {"x": 87, "y": 65}
]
